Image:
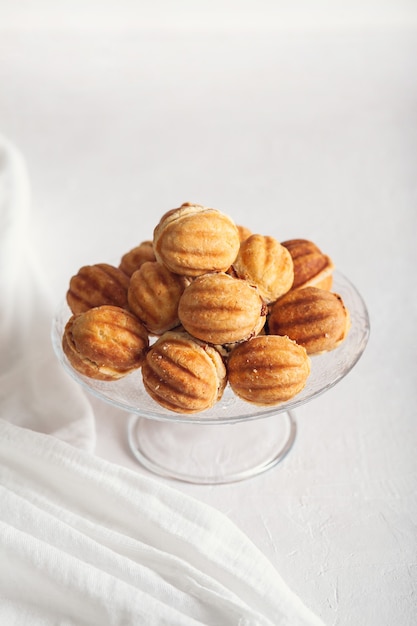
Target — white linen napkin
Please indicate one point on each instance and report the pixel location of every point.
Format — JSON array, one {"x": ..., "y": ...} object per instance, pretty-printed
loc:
[
  {"x": 84, "y": 541},
  {"x": 34, "y": 392}
]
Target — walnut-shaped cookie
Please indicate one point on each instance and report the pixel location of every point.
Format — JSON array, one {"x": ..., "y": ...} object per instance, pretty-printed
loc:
[
  {"x": 268, "y": 369},
  {"x": 182, "y": 374},
  {"x": 134, "y": 258},
  {"x": 153, "y": 296},
  {"x": 105, "y": 343},
  {"x": 193, "y": 240},
  {"x": 220, "y": 309},
  {"x": 315, "y": 318},
  {"x": 312, "y": 268},
  {"x": 264, "y": 262},
  {"x": 95, "y": 285},
  {"x": 244, "y": 232}
]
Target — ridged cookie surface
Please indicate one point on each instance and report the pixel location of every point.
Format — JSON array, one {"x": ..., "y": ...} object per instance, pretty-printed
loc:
[
  {"x": 153, "y": 296},
  {"x": 268, "y": 369},
  {"x": 182, "y": 374},
  {"x": 312, "y": 268},
  {"x": 95, "y": 285},
  {"x": 193, "y": 240},
  {"x": 105, "y": 342},
  {"x": 315, "y": 318},
  {"x": 220, "y": 309},
  {"x": 134, "y": 258},
  {"x": 264, "y": 262}
]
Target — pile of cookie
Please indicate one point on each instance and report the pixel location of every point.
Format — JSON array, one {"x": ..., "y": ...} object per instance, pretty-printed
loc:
[{"x": 206, "y": 303}]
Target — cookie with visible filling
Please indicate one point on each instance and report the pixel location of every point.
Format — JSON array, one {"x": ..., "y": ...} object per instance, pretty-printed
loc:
[
  {"x": 182, "y": 374},
  {"x": 105, "y": 343},
  {"x": 312, "y": 268}
]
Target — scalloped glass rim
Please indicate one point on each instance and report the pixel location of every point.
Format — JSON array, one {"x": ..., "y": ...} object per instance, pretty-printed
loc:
[{"x": 327, "y": 370}]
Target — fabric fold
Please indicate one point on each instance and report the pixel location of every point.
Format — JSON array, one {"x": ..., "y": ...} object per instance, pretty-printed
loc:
[
  {"x": 34, "y": 391},
  {"x": 110, "y": 546}
]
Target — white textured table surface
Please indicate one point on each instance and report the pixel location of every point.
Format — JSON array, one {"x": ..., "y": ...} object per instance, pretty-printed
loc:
[{"x": 296, "y": 127}]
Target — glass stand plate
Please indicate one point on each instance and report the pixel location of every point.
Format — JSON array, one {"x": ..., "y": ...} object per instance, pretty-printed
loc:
[{"x": 234, "y": 439}]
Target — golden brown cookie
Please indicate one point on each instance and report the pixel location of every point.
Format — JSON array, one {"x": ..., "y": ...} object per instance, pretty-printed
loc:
[
  {"x": 132, "y": 260},
  {"x": 182, "y": 374},
  {"x": 95, "y": 285},
  {"x": 153, "y": 296},
  {"x": 315, "y": 318},
  {"x": 312, "y": 268},
  {"x": 220, "y": 309},
  {"x": 105, "y": 342},
  {"x": 268, "y": 369},
  {"x": 264, "y": 262},
  {"x": 244, "y": 232},
  {"x": 193, "y": 240}
]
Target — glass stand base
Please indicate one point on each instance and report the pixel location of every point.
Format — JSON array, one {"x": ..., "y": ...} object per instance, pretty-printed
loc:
[{"x": 211, "y": 453}]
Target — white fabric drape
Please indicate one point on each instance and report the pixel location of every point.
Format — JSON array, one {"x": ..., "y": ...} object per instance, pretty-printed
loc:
[
  {"x": 84, "y": 541},
  {"x": 34, "y": 391}
]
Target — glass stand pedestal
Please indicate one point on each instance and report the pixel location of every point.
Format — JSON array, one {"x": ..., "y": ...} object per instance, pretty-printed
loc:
[{"x": 211, "y": 453}]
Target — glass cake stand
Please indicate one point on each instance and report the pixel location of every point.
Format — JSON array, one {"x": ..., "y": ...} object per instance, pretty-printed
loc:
[{"x": 233, "y": 440}]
